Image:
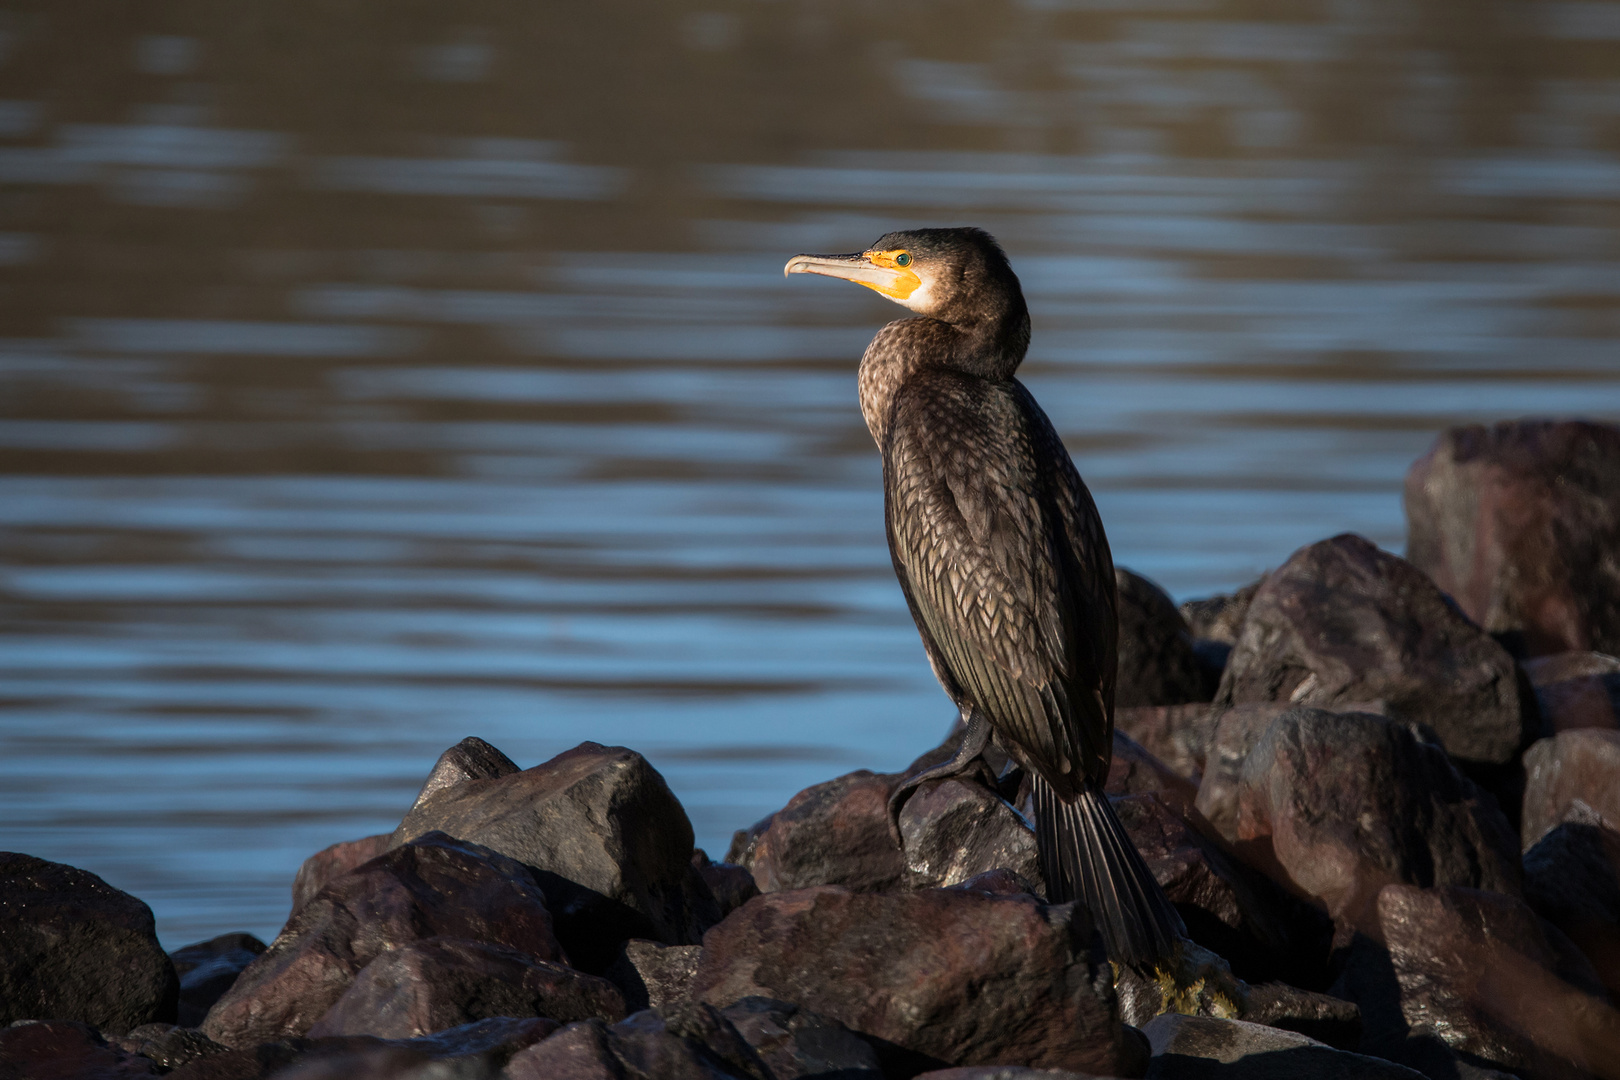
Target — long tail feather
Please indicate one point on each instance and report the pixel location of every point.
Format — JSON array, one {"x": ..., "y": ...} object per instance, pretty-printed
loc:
[{"x": 1087, "y": 855}]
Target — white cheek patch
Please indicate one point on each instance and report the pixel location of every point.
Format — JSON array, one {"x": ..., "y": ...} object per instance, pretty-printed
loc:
[{"x": 921, "y": 299}]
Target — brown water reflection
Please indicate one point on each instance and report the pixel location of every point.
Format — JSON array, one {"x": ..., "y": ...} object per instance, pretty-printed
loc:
[{"x": 376, "y": 375}]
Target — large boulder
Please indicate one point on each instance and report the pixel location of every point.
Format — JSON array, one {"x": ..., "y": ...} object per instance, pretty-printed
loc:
[
  {"x": 1473, "y": 970},
  {"x": 1338, "y": 805},
  {"x": 1234, "y": 733},
  {"x": 651, "y": 974},
  {"x": 1521, "y": 523},
  {"x": 606, "y": 838},
  {"x": 333, "y": 862},
  {"x": 427, "y": 986},
  {"x": 1576, "y": 690},
  {"x": 209, "y": 968},
  {"x": 956, "y": 829},
  {"x": 1229, "y": 908},
  {"x": 834, "y": 833},
  {"x": 1157, "y": 664},
  {"x": 795, "y": 1042},
  {"x": 1572, "y": 879},
  {"x": 1342, "y": 621},
  {"x": 1572, "y": 772},
  {"x": 434, "y": 886},
  {"x": 73, "y": 947},
  {"x": 939, "y": 976}
]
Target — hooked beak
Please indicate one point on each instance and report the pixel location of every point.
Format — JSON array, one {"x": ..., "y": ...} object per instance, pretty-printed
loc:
[{"x": 896, "y": 283}]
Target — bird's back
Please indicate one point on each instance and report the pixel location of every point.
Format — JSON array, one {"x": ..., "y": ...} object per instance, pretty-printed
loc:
[{"x": 1005, "y": 565}]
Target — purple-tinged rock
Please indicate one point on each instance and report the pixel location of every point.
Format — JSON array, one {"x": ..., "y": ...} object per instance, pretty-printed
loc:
[
  {"x": 208, "y": 969},
  {"x": 1575, "y": 772},
  {"x": 65, "y": 1050}
]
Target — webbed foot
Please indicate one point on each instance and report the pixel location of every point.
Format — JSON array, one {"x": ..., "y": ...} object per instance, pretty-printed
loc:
[{"x": 974, "y": 740}]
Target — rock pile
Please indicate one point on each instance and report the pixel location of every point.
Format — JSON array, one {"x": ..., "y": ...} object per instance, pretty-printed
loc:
[{"x": 1388, "y": 817}]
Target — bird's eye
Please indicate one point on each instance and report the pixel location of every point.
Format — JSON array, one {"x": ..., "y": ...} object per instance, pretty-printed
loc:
[{"x": 903, "y": 259}]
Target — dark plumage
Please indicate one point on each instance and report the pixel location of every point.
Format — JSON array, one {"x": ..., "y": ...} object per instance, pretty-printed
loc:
[{"x": 1002, "y": 558}]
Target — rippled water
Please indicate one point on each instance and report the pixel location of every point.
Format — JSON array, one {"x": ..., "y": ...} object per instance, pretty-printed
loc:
[{"x": 375, "y": 376}]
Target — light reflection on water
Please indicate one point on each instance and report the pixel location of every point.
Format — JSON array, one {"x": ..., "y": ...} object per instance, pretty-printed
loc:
[{"x": 370, "y": 385}]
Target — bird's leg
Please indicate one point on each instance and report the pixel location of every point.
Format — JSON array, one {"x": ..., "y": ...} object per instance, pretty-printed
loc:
[{"x": 974, "y": 740}]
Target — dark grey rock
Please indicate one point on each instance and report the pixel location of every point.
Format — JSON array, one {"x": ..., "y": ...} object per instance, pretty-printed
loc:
[
  {"x": 651, "y": 975},
  {"x": 470, "y": 759},
  {"x": 320, "y": 868},
  {"x": 608, "y": 841},
  {"x": 1177, "y": 735},
  {"x": 73, "y": 947},
  {"x": 1576, "y": 690},
  {"x": 432, "y": 887},
  {"x": 475, "y": 1051},
  {"x": 956, "y": 829},
  {"x": 939, "y": 976},
  {"x": 1342, "y": 621},
  {"x": 1572, "y": 879},
  {"x": 1322, "y": 1017},
  {"x": 678, "y": 1042},
  {"x": 835, "y": 833},
  {"x": 1520, "y": 522},
  {"x": 1194, "y": 1047},
  {"x": 732, "y": 885},
  {"x": 1220, "y": 618},
  {"x": 438, "y": 983},
  {"x": 796, "y": 1043},
  {"x": 1337, "y": 805},
  {"x": 209, "y": 968},
  {"x": 1575, "y": 771},
  {"x": 65, "y": 1050},
  {"x": 1001, "y": 1072},
  {"x": 1157, "y": 662}
]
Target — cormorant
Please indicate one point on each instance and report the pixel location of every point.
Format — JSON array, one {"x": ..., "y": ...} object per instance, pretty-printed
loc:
[{"x": 1003, "y": 561}]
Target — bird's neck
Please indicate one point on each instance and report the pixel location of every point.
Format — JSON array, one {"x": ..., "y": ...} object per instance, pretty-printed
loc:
[{"x": 989, "y": 350}]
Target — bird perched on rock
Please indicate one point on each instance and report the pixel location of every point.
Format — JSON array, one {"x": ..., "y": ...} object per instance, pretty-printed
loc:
[{"x": 1003, "y": 560}]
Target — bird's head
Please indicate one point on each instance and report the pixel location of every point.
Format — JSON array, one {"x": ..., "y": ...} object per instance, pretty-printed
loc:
[{"x": 955, "y": 275}]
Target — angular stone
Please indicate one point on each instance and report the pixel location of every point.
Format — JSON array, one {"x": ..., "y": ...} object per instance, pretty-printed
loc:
[
  {"x": 1234, "y": 732},
  {"x": 470, "y": 759},
  {"x": 432, "y": 887},
  {"x": 941, "y": 976},
  {"x": 1157, "y": 664},
  {"x": 1187, "y": 1047},
  {"x": 1576, "y": 690},
  {"x": 1520, "y": 522},
  {"x": 1229, "y": 908},
  {"x": 474, "y": 1051},
  {"x": 1177, "y": 735},
  {"x": 427, "y": 986},
  {"x": 651, "y": 975},
  {"x": 1337, "y": 805},
  {"x": 1002, "y": 1072},
  {"x": 1135, "y": 771},
  {"x": 835, "y": 833},
  {"x": 795, "y": 1042},
  {"x": 1342, "y": 621},
  {"x": 999, "y": 882},
  {"x": 1474, "y": 967},
  {"x": 320, "y": 868},
  {"x": 73, "y": 947},
  {"x": 956, "y": 829},
  {"x": 608, "y": 841},
  {"x": 65, "y": 1050},
  {"x": 1323, "y": 1017},
  {"x": 1572, "y": 879},
  {"x": 1574, "y": 771},
  {"x": 275, "y": 1058},
  {"x": 680, "y": 1042},
  {"x": 208, "y": 968},
  {"x": 1220, "y": 618}
]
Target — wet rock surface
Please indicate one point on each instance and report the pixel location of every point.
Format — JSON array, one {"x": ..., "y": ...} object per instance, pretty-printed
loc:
[
  {"x": 1469, "y": 974},
  {"x": 427, "y": 986},
  {"x": 1342, "y": 621},
  {"x": 208, "y": 969},
  {"x": 73, "y": 947},
  {"x": 607, "y": 840},
  {"x": 1157, "y": 662},
  {"x": 432, "y": 887},
  {"x": 1520, "y": 522},
  {"x": 940, "y": 976},
  {"x": 1339, "y": 805},
  {"x": 1569, "y": 775}
]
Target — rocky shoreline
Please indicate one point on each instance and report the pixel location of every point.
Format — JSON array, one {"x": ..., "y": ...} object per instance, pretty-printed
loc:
[{"x": 1384, "y": 795}]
